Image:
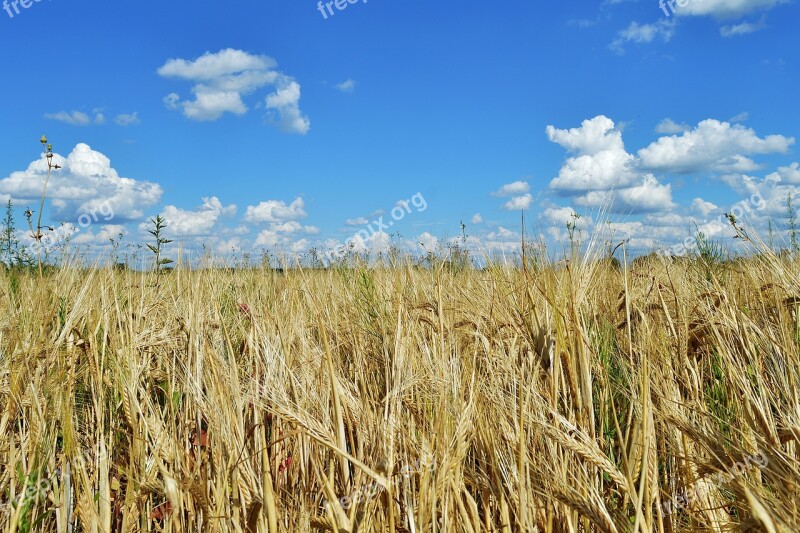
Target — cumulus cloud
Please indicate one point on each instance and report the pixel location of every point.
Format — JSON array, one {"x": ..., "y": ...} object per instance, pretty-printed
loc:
[
  {"x": 593, "y": 136},
  {"x": 787, "y": 175},
  {"x": 561, "y": 216},
  {"x": 711, "y": 145},
  {"x": 646, "y": 196},
  {"x": 600, "y": 161},
  {"x": 198, "y": 222},
  {"x": 86, "y": 182},
  {"x": 111, "y": 231},
  {"x": 284, "y": 109},
  {"x": 601, "y": 173},
  {"x": 360, "y": 221},
  {"x": 512, "y": 189},
  {"x": 518, "y": 203},
  {"x": 276, "y": 211},
  {"x": 702, "y": 207},
  {"x": 286, "y": 236},
  {"x": 713, "y": 149},
  {"x": 428, "y": 241},
  {"x": 477, "y": 218},
  {"x": 221, "y": 80}
]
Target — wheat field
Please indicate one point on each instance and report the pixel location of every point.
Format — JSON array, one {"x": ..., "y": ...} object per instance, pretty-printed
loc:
[{"x": 583, "y": 395}]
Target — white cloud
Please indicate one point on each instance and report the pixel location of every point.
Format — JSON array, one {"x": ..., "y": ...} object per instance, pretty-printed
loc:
[
  {"x": 711, "y": 145},
  {"x": 172, "y": 101},
  {"x": 643, "y": 34},
  {"x": 518, "y": 202},
  {"x": 85, "y": 182},
  {"x": 502, "y": 233},
  {"x": 127, "y": 119},
  {"x": 111, "y": 231},
  {"x": 669, "y": 126},
  {"x": 75, "y": 118},
  {"x": 210, "y": 104},
  {"x": 647, "y": 196},
  {"x": 600, "y": 160},
  {"x": 624, "y": 230},
  {"x": 229, "y": 66},
  {"x": 512, "y": 189},
  {"x": 428, "y": 242},
  {"x": 719, "y": 150},
  {"x": 280, "y": 241},
  {"x": 293, "y": 226},
  {"x": 477, "y": 218},
  {"x": 592, "y": 137},
  {"x": 702, "y": 207},
  {"x": 561, "y": 216},
  {"x": 736, "y": 163},
  {"x": 195, "y": 223},
  {"x": 360, "y": 221},
  {"x": 222, "y": 79},
  {"x": 725, "y": 8},
  {"x": 743, "y": 28},
  {"x": 285, "y": 107},
  {"x": 276, "y": 211},
  {"x": 741, "y": 117},
  {"x": 666, "y": 219},
  {"x": 787, "y": 175},
  {"x": 346, "y": 86}
]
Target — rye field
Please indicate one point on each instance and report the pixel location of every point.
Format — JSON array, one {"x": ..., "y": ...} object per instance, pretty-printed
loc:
[{"x": 580, "y": 395}]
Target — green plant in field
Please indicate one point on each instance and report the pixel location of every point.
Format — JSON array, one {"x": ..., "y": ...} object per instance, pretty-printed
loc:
[
  {"x": 8, "y": 240},
  {"x": 115, "y": 243},
  {"x": 792, "y": 216},
  {"x": 710, "y": 254},
  {"x": 572, "y": 229},
  {"x": 38, "y": 235},
  {"x": 458, "y": 258},
  {"x": 11, "y": 253},
  {"x": 159, "y": 224}
]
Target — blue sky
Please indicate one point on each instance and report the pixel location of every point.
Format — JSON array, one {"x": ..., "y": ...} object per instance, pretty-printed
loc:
[{"x": 268, "y": 125}]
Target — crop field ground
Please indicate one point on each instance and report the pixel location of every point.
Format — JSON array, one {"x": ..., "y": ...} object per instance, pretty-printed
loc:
[{"x": 656, "y": 395}]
